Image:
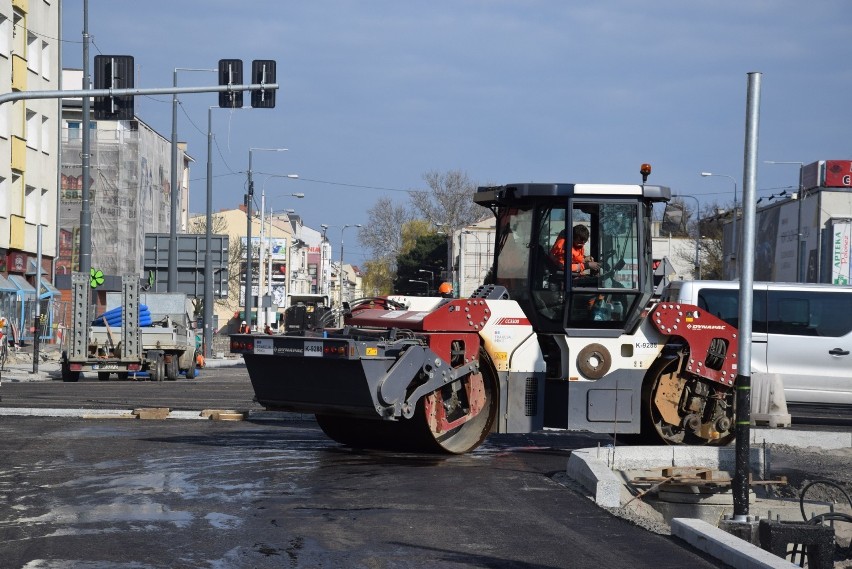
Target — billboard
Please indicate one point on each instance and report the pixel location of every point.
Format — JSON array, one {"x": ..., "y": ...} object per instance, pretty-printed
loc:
[
  {"x": 840, "y": 266},
  {"x": 838, "y": 174}
]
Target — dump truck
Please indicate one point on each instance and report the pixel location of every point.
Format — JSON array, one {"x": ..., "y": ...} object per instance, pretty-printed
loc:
[
  {"x": 536, "y": 347},
  {"x": 163, "y": 348}
]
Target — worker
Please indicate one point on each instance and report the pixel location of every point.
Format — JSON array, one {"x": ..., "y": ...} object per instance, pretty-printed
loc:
[
  {"x": 446, "y": 290},
  {"x": 579, "y": 261},
  {"x": 244, "y": 329},
  {"x": 267, "y": 329}
]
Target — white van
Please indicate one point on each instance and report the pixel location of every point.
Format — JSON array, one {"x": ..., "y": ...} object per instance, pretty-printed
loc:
[{"x": 801, "y": 332}]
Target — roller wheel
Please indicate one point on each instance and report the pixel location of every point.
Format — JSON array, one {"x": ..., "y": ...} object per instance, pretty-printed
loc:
[
  {"x": 192, "y": 370},
  {"x": 655, "y": 429},
  {"x": 157, "y": 369},
  {"x": 423, "y": 432},
  {"x": 172, "y": 369}
]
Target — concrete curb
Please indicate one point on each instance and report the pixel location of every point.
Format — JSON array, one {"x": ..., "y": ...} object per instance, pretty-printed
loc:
[
  {"x": 595, "y": 470},
  {"x": 180, "y": 414},
  {"x": 725, "y": 547},
  {"x": 50, "y": 371}
]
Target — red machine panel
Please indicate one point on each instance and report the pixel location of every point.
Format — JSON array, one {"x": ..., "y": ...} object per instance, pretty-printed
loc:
[{"x": 713, "y": 347}]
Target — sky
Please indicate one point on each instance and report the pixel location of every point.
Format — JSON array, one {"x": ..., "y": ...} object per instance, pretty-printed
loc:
[{"x": 376, "y": 93}]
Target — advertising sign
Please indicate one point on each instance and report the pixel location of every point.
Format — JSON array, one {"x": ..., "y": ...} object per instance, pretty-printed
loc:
[
  {"x": 838, "y": 174},
  {"x": 840, "y": 266}
]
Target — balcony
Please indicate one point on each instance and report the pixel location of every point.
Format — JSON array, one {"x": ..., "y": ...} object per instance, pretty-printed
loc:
[
  {"x": 19, "y": 154},
  {"x": 19, "y": 73}
]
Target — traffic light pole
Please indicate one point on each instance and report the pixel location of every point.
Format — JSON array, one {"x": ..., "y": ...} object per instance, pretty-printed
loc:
[{"x": 85, "y": 233}]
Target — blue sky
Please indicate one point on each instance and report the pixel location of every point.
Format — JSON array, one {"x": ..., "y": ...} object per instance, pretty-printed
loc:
[{"x": 376, "y": 93}]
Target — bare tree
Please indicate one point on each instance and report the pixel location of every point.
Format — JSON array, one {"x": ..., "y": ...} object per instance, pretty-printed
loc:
[
  {"x": 707, "y": 228},
  {"x": 236, "y": 251},
  {"x": 450, "y": 202},
  {"x": 382, "y": 234}
]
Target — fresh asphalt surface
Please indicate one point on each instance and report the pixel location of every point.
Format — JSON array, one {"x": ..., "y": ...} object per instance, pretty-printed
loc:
[{"x": 130, "y": 494}]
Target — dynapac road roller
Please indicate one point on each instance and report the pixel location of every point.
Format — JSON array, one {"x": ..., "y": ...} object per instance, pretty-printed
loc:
[{"x": 537, "y": 347}]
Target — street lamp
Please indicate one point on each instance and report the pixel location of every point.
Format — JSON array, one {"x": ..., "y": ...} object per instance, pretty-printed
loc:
[
  {"x": 734, "y": 226},
  {"x": 431, "y": 284},
  {"x": 422, "y": 282},
  {"x": 249, "y": 199},
  {"x": 173, "y": 248},
  {"x": 800, "y": 242},
  {"x": 261, "y": 316},
  {"x": 340, "y": 292}
]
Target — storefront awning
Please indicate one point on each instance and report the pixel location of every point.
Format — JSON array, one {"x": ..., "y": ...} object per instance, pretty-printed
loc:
[
  {"x": 21, "y": 283},
  {"x": 48, "y": 290},
  {"x": 6, "y": 285}
]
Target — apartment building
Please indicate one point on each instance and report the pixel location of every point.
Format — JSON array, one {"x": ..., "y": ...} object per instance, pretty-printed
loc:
[{"x": 29, "y": 61}]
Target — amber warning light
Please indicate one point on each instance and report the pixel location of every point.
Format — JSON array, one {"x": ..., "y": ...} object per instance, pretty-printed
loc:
[{"x": 645, "y": 170}]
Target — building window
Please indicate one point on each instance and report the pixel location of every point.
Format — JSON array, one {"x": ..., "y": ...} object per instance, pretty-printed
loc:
[
  {"x": 45, "y": 60},
  {"x": 45, "y": 135},
  {"x": 5, "y": 36},
  {"x": 4, "y": 198},
  {"x": 33, "y": 52},
  {"x": 31, "y": 210},
  {"x": 33, "y": 129},
  {"x": 4, "y": 121},
  {"x": 19, "y": 35},
  {"x": 43, "y": 214}
]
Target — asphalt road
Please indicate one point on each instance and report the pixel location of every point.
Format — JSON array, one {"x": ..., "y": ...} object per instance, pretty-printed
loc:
[{"x": 139, "y": 494}]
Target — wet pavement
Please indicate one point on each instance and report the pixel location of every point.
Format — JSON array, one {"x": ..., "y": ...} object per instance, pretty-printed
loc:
[{"x": 273, "y": 491}]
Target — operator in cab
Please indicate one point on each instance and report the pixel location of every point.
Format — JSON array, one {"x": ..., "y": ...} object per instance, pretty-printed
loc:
[{"x": 580, "y": 262}]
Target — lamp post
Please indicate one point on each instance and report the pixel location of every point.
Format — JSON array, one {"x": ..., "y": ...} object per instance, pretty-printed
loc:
[
  {"x": 172, "y": 282},
  {"x": 249, "y": 199},
  {"x": 800, "y": 242},
  {"x": 324, "y": 260},
  {"x": 261, "y": 315},
  {"x": 422, "y": 282},
  {"x": 697, "y": 232},
  {"x": 734, "y": 226},
  {"x": 431, "y": 284},
  {"x": 340, "y": 272}
]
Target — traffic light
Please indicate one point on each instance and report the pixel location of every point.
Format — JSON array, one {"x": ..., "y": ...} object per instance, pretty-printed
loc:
[
  {"x": 113, "y": 72},
  {"x": 231, "y": 73},
  {"x": 263, "y": 73}
]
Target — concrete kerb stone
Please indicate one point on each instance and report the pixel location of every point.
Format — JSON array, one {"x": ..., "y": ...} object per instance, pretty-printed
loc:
[{"x": 725, "y": 547}]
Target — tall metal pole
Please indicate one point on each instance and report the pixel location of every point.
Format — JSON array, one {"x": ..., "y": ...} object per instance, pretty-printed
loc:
[
  {"x": 340, "y": 292},
  {"x": 173, "y": 241},
  {"x": 85, "y": 210},
  {"x": 261, "y": 269},
  {"x": 742, "y": 467},
  {"x": 171, "y": 286},
  {"x": 208, "y": 261},
  {"x": 249, "y": 198},
  {"x": 37, "y": 326}
]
